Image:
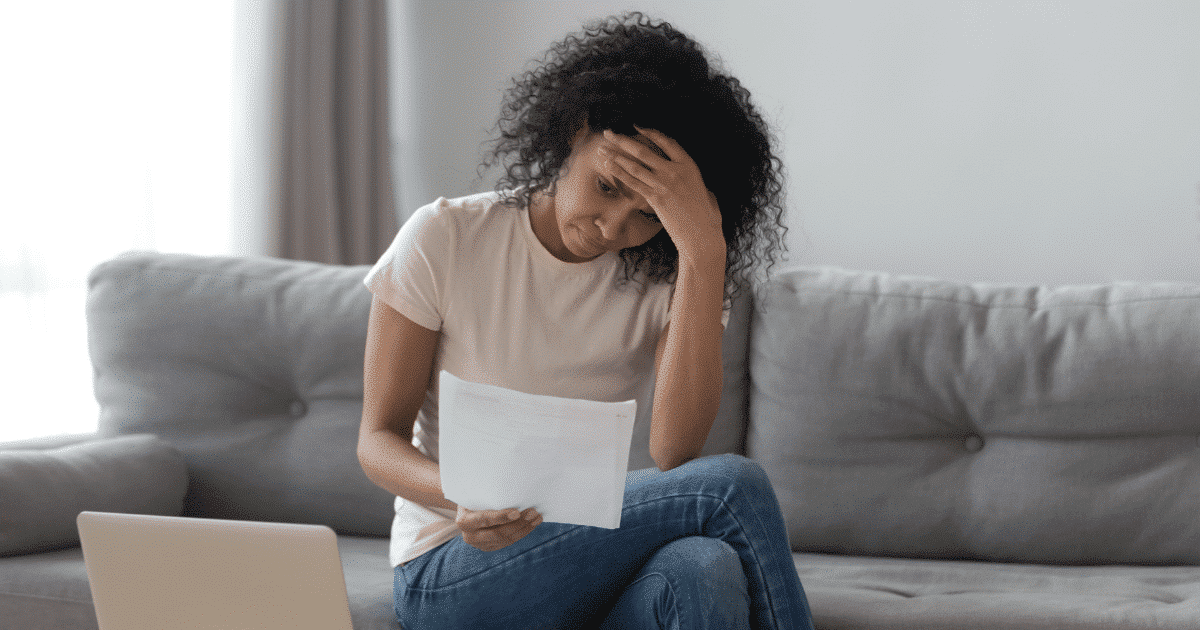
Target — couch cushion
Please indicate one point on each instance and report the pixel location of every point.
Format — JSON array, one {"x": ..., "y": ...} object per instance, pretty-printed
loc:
[
  {"x": 252, "y": 367},
  {"x": 42, "y": 491},
  {"x": 728, "y": 433},
  {"x": 865, "y": 593},
  {"x": 46, "y": 591},
  {"x": 926, "y": 418},
  {"x": 369, "y": 582}
]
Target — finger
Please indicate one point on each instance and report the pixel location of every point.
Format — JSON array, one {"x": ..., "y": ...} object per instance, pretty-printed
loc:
[
  {"x": 480, "y": 519},
  {"x": 523, "y": 521},
  {"x": 501, "y": 536},
  {"x": 522, "y": 524},
  {"x": 487, "y": 540},
  {"x": 636, "y": 177},
  {"x": 639, "y": 151},
  {"x": 674, "y": 151},
  {"x": 512, "y": 532}
]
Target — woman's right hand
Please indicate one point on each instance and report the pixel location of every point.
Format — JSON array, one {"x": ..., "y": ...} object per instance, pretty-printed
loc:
[{"x": 489, "y": 530}]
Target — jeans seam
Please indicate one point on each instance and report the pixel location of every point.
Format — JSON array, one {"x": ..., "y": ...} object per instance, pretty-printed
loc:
[
  {"x": 757, "y": 557},
  {"x": 670, "y": 588}
]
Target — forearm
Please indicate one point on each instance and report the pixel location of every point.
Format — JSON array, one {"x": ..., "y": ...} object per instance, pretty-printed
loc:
[
  {"x": 398, "y": 467},
  {"x": 688, "y": 381}
]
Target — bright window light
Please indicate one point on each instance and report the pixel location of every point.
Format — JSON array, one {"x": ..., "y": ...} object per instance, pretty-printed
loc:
[{"x": 116, "y": 136}]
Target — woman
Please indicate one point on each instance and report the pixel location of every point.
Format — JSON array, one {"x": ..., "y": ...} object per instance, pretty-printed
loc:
[{"x": 639, "y": 195}]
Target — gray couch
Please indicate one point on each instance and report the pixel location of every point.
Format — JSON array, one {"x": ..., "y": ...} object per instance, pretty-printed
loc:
[{"x": 946, "y": 455}]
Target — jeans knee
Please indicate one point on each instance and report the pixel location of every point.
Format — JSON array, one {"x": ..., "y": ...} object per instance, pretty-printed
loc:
[
  {"x": 708, "y": 561},
  {"x": 740, "y": 471},
  {"x": 692, "y": 582},
  {"x": 706, "y": 582}
]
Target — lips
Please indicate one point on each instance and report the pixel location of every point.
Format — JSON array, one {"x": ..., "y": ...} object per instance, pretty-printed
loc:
[
  {"x": 602, "y": 248},
  {"x": 593, "y": 246}
]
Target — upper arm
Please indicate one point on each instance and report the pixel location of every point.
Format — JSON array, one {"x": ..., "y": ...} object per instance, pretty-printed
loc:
[{"x": 397, "y": 369}]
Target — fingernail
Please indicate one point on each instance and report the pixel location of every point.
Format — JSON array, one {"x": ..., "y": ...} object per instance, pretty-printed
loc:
[
  {"x": 514, "y": 515},
  {"x": 531, "y": 515}
]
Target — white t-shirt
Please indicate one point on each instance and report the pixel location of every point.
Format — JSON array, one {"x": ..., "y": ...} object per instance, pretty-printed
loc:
[{"x": 513, "y": 315}]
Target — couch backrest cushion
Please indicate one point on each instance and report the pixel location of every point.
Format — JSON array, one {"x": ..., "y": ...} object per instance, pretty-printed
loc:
[
  {"x": 919, "y": 417},
  {"x": 252, "y": 367}
]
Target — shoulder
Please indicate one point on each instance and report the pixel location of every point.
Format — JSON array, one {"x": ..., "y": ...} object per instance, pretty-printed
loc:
[
  {"x": 464, "y": 211},
  {"x": 450, "y": 219}
]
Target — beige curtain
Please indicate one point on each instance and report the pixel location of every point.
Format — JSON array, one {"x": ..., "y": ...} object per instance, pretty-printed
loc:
[{"x": 336, "y": 199}]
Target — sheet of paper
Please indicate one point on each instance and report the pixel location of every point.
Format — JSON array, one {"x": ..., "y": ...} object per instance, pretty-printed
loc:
[{"x": 501, "y": 449}]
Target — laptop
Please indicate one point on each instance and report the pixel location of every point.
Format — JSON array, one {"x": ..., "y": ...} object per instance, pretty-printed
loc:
[{"x": 164, "y": 572}]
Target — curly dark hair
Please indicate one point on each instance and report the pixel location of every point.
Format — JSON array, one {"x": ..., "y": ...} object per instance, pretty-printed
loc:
[{"x": 628, "y": 70}]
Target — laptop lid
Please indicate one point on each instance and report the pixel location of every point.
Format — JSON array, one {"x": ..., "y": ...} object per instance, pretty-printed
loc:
[{"x": 163, "y": 572}]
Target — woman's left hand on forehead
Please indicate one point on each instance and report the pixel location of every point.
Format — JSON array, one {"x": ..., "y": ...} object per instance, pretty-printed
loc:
[{"x": 674, "y": 189}]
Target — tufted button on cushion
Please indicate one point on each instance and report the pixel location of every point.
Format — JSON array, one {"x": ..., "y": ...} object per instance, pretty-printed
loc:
[
  {"x": 862, "y": 385},
  {"x": 297, "y": 408}
]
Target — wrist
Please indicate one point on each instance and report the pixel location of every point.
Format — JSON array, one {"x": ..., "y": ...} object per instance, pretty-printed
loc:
[
  {"x": 706, "y": 256},
  {"x": 699, "y": 284}
]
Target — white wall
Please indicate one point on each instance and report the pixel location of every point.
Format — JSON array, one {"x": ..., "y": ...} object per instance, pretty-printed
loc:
[{"x": 1021, "y": 141}]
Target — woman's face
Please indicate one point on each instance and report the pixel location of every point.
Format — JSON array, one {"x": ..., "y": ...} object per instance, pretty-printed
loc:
[{"x": 592, "y": 212}]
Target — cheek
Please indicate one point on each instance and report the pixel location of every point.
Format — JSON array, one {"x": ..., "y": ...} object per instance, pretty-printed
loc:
[
  {"x": 569, "y": 200},
  {"x": 646, "y": 233}
]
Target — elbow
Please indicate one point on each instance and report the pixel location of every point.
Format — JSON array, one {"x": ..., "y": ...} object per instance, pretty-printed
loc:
[
  {"x": 364, "y": 461},
  {"x": 365, "y": 450},
  {"x": 360, "y": 448},
  {"x": 667, "y": 464},
  {"x": 668, "y": 460},
  {"x": 671, "y": 451},
  {"x": 368, "y": 454},
  {"x": 664, "y": 465},
  {"x": 673, "y": 448}
]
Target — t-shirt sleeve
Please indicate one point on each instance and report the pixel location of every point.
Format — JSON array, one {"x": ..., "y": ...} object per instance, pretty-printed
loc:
[{"x": 411, "y": 275}]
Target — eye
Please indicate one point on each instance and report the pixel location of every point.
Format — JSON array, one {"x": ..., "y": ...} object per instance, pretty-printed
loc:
[
  {"x": 650, "y": 216},
  {"x": 604, "y": 187}
]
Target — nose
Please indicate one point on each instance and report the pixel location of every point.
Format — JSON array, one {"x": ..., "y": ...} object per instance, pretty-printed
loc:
[
  {"x": 608, "y": 228},
  {"x": 613, "y": 221}
]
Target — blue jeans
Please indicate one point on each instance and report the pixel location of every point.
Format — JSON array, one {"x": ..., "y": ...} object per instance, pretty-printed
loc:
[{"x": 700, "y": 546}]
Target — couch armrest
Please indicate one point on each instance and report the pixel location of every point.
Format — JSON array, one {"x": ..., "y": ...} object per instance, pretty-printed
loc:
[
  {"x": 48, "y": 442},
  {"x": 43, "y": 490}
]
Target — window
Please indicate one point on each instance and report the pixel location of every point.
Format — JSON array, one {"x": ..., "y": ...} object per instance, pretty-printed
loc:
[{"x": 117, "y": 136}]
